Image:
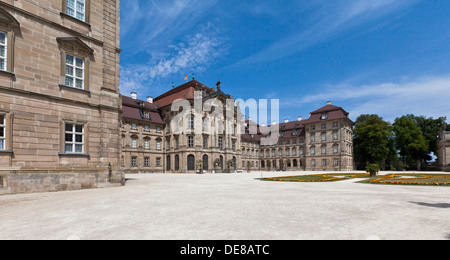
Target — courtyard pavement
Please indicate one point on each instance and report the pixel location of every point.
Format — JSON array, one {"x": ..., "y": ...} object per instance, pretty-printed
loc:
[{"x": 229, "y": 207}]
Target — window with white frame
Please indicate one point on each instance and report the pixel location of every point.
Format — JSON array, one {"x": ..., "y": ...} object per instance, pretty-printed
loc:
[
  {"x": 74, "y": 138},
  {"x": 76, "y": 9},
  {"x": 146, "y": 162},
  {"x": 2, "y": 132},
  {"x": 324, "y": 162},
  {"x": 3, "y": 51},
  {"x": 133, "y": 143},
  {"x": 158, "y": 145},
  {"x": 191, "y": 122},
  {"x": 133, "y": 161},
  {"x": 147, "y": 144},
  {"x": 324, "y": 149},
  {"x": 74, "y": 72}
]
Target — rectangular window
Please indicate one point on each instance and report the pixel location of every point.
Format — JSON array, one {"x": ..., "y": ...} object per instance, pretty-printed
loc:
[
  {"x": 2, "y": 132},
  {"x": 324, "y": 150},
  {"x": 205, "y": 143},
  {"x": 191, "y": 122},
  {"x": 313, "y": 138},
  {"x": 147, "y": 144},
  {"x": 158, "y": 145},
  {"x": 3, "y": 51},
  {"x": 324, "y": 162},
  {"x": 76, "y": 9},
  {"x": 191, "y": 142},
  {"x": 324, "y": 137},
  {"x": 133, "y": 126},
  {"x": 336, "y": 162},
  {"x": 313, "y": 150},
  {"x": 158, "y": 129},
  {"x": 133, "y": 161},
  {"x": 220, "y": 143},
  {"x": 146, "y": 128},
  {"x": 133, "y": 143},
  {"x": 158, "y": 162},
  {"x": 146, "y": 162},
  {"x": 74, "y": 72},
  {"x": 313, "y": 163},
  {"x": 74, "y": 138}
]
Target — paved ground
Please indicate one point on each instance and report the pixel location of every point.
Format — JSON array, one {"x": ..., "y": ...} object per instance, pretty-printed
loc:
[{"x": 229, "y": 207}]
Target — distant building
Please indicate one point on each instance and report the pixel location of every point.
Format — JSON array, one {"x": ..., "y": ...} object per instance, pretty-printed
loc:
[
  {"x": 59, "y": 95},
  {"x": 324, "y": 141},
  {"x": 443, "y": 157}
]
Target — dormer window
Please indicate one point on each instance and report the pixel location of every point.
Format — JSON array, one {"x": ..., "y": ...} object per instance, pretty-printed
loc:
[
  {"x": 324, "y": 116},
  {"x": 146, "y": 114}
]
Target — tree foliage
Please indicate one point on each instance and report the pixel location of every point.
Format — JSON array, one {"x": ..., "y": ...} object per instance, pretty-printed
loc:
[
  {"x": 372, "y": 139},
  {"x": 409, "y": 140}
]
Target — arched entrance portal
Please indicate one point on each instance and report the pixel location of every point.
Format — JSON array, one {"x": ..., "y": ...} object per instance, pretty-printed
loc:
[
  {"x": 205, "y": 162},
  {"x": 191, "y": 162},
  {"x": 168, "y": 163}
]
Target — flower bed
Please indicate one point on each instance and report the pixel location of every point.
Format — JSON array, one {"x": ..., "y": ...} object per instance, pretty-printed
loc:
[
  {"x": 395, "y": 179},
  {"x": 414, "y": 179}
]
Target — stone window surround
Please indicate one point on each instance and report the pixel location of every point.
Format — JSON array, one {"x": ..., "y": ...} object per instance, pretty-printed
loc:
[
  {"x": 76, "y": 48},
  {"x": 9, "y": 26}
]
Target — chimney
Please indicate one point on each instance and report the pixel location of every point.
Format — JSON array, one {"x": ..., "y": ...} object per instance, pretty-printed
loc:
[
  {"x": 150, "y": 100},
  {"x": 328, "y": 103},
  {"x": 286, "y": 120},
  {"x": 249, "y": 118},
  {"x": 300, "y": 118},
  {"x": 134, "y": 95},
  {"x": 274, "y": 122}
]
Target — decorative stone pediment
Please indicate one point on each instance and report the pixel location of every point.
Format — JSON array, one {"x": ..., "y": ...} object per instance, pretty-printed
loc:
[
  {"x": 75, "y": 44},
  {"x": 7, "y": 19}
]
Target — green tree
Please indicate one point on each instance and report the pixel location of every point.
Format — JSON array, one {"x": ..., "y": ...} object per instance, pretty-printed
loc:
[
  {"x": 371, "y": 141},
  {"x": 409, "y": 140},
  {"x": 430, "y": 129}
]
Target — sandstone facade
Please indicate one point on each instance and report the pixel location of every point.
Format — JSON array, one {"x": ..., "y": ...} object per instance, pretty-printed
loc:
[{"x": 59, "y": 95}]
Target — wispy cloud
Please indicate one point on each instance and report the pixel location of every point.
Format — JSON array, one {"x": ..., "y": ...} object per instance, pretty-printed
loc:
[
  {"x": 149, "y": 26},
  {"x": 195, "y": 53},
  {"x": 327, "y": 20},
  {"x": 424, "y": 96}
]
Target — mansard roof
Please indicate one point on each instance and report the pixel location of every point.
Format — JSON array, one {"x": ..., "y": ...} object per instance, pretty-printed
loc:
[
  {"x": 185, "y": 91},
  {"x": 132, "y": 109}
]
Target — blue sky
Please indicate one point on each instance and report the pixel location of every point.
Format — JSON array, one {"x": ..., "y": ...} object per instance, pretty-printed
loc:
[{"x": 385, "y": 57}]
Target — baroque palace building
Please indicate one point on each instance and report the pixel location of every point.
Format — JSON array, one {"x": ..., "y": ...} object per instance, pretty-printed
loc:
[
  {"x": 150, "y": 143},
  {"x": 59, "y": 95},
  {"x": 443, "y": 156}
]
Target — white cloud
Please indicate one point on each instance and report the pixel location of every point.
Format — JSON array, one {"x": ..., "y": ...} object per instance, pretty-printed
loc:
[
  {"x": 425, "y": 96},
  {"x": 195, "y": 54}
]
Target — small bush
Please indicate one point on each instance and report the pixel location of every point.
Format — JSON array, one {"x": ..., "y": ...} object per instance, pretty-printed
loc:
[{"x": 373, "y": 169}]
